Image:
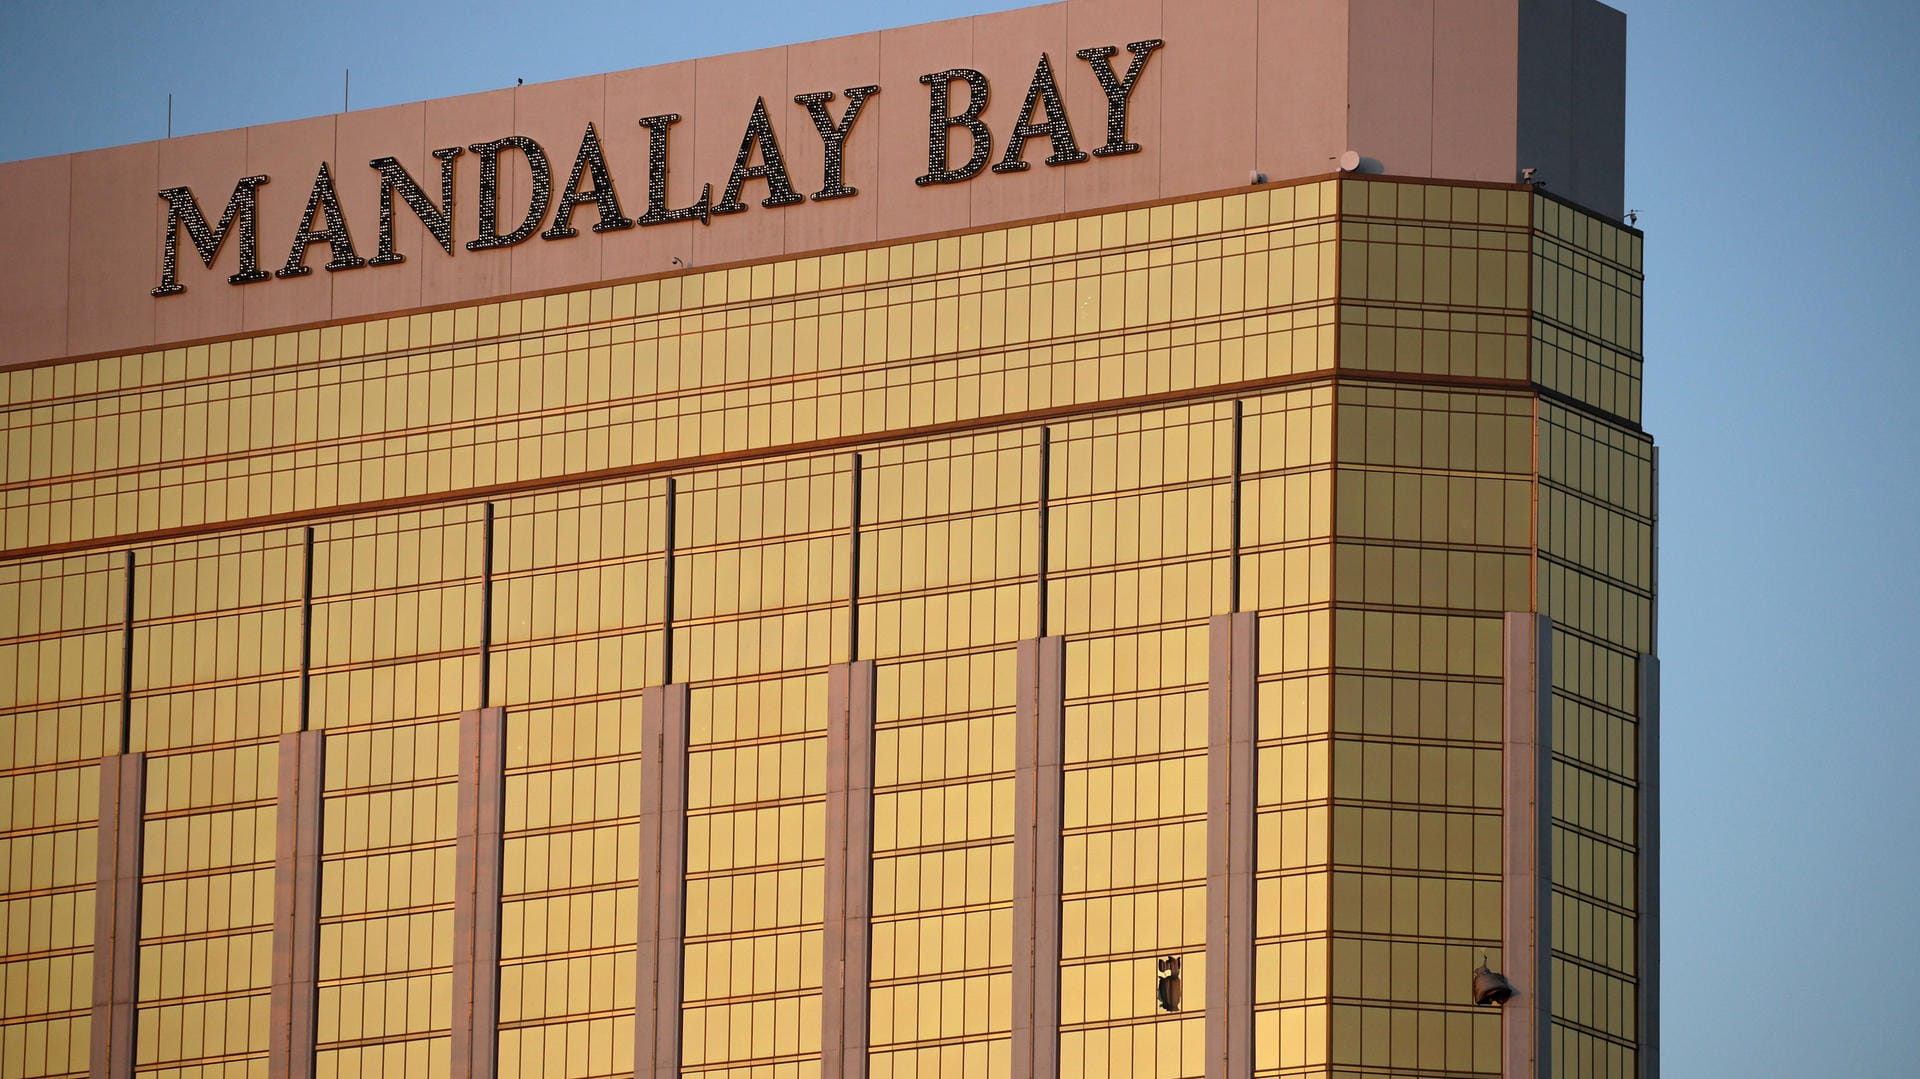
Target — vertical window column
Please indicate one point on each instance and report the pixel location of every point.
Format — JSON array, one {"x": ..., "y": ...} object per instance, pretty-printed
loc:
[
  {"x": 847, "y": 926},
  {"x": 296, "y": 906},
  {"x": 663, "y": 881},
  {"x": 116, "y": 913},
  {"x": 1647, "y": 844},
  {"x": 1040, "y": 713},
  {"x": 1231, "y": 696},
  {"x": 476, "y": 898},
  {"x": 1526, "y": 860}
]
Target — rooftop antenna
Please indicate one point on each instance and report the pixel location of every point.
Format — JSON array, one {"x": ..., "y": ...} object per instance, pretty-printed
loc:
[
  {"x": 169, "y": 115},
  {"x": 1633, "y": 218},
  {"x": 346, "y": 93}
]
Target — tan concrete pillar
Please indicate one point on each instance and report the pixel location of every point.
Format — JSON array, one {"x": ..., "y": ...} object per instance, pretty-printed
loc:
[
  {"x": 1232, "y": 694},
  {"x": 848, "y": 899},
  {"x": 1039, "y": 729},
  {"x": 1526, "y": 861},
  {"x": 116, "y": 914},
  {"x": 663, "y": 881},
  {"x": 476, "y": 899},
  {"x": 296, "y": 906}
]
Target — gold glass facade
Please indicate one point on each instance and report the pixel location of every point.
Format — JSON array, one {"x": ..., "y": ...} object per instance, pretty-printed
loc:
[{"x": 1379, "y": 415}]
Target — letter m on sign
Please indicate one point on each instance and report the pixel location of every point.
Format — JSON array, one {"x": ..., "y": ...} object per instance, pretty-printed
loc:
[{"x": 184, "y": 212}]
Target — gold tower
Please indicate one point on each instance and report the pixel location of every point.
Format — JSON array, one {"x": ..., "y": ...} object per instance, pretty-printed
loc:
[{"x": 1179, "y": 638}]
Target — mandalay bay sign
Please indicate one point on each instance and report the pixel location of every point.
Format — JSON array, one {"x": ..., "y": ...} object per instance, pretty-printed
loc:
[{"x": 591, "y": 181}]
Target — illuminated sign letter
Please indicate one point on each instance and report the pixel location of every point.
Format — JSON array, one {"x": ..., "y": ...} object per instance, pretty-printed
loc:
[
  {"x": 602, "y": 195},
  {"x": 323, "y": 200},
  {"x": 1119, "y": 91},
  {"x": 439, "y": 222},
  {"x": 940, "y": 123},
  {"x": 183, "y": 211},
  {"x": 657, "y": 212},
  {"x": 835, "y": 138},
  {"x": 772, "y": 168},
  {"x": 1046, "y": 94},
  {"x": 490, "y": 191}
]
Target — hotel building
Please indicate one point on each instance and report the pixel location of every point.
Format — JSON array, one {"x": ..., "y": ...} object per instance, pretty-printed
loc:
[{"x": 1112, "y": 538}]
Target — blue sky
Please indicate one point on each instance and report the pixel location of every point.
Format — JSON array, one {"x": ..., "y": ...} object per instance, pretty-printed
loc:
[{"x": 1772, "y": 150}]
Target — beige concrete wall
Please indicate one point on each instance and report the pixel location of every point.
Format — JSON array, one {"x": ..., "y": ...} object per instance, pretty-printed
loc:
[{"x": 1419, "y": 87}]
